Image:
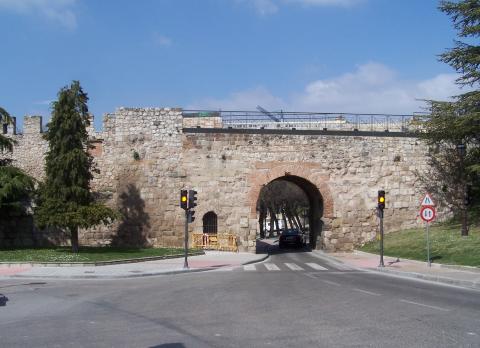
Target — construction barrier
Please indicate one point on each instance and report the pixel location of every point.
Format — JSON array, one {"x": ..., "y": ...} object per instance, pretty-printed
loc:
[{"x": 213, "y": 241}]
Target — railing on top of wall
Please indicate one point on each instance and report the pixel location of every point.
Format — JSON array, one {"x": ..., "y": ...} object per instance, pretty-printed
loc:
[{"x": 304, "y": 120}]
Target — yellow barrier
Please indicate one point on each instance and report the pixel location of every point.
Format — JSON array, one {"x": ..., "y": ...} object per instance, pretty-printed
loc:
[{"x": 211, "y": 241}]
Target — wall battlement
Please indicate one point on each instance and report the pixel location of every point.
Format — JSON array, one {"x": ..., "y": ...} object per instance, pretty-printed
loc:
[{"x": 144, "y": 159}]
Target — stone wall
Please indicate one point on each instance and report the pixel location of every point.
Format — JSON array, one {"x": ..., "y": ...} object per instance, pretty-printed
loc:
[
  {"x": 230, "y": 169},
  {"x": 144, "y": 159}
]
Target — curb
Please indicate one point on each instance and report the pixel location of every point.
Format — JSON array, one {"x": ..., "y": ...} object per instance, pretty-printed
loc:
[
  {"x": 432, "y": 278},
  {"x": 135, "y": 275},
  {"x": 98, "y": 263},
  {"x": 412, "y": 275},
  {"x": 436, "y": 265}
]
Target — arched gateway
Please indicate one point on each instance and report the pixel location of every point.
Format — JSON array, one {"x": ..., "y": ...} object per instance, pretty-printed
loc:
[{"x": 315, "y": 188}]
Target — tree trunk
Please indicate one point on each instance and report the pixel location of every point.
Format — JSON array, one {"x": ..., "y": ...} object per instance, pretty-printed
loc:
[
  {"x": 464, "y": 222},
  {"x": 284, "y": 218},
  {"x": 270, "y": 233},
  {"x": 299, "y": 222},
  {"x": 74, "y": 239},
  {"x": 277, "y": 226},
  {"x": 291, "y": 218},
  {"x": 261, "y": 221}
]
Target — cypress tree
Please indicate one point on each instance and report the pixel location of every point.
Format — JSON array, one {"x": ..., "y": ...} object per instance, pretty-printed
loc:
[{"x": 65, "y": 200}]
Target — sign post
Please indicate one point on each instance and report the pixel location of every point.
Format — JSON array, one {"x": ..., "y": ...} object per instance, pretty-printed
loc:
[{"x": 427, "y": 213}]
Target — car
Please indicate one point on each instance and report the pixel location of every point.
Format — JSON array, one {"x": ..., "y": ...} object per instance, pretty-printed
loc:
[{"x": 291, "y": 236}]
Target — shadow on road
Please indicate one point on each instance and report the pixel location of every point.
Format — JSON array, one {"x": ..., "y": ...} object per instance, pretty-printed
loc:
[
  {"x": 3, "y": 300},
  {"x": 270, "y": 246},
  {"x": 169, "y": 345}
]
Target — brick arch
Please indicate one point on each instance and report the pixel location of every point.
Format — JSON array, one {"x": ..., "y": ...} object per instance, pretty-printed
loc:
[{"x": 263, "y": 176}]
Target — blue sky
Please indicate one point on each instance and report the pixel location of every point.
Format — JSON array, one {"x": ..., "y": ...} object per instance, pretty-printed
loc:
[{"x": 294, "y": 55}]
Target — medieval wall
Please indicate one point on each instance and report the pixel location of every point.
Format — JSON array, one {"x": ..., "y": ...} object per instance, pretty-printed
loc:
[{"x": 144, "y": 159}]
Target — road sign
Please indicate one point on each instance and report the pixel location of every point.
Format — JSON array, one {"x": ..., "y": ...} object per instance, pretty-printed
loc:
[
  {"x": 427, "y": 201},
  {"x": 427, "y": 214}
]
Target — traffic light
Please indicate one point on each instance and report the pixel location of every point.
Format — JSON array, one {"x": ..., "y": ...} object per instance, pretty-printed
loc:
[
  {"x": 191, "y": 216},
  {"x": 381, "y": 199},
  {"x": 192, "y": 197},
  {"x": 184, "y": 199}
]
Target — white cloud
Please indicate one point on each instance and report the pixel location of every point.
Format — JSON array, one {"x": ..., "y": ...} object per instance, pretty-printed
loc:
[
  {"x": 44, "y": 102},
  {"x": 325, "y": 2},
  {"x": 60, "y": 11},
  {"x": 370, "y": 88},
  {"x": 243, "y": 100},
  {"x": 161, "y": 40},
  {"x": 267, "y": 7}
]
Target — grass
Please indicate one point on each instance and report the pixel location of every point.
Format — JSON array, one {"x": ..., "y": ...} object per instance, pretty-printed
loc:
[
  {"x": 86, "y": 254},
  {"x": 447, "y": 246}
]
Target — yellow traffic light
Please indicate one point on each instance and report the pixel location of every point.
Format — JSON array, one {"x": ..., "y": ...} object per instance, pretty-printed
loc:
[{"x": 183, "y": 199}]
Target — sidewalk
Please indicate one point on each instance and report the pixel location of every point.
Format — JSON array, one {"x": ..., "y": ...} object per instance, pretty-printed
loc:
[
  {"x": 211, "y": 260},
  {"x": 454, "y": 275}
]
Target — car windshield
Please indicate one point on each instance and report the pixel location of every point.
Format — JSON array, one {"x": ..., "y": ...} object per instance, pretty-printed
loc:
[{"x": 290, "y": 231}]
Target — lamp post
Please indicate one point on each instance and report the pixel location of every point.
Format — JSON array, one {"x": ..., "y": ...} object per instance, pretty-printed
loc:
[{"x": 462, "y": 150}]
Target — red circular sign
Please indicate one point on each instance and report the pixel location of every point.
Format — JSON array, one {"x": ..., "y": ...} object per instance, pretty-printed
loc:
[{"x": 427, "y": 214}]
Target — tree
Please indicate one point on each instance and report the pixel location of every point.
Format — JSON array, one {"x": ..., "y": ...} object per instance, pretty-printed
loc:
[
  {"x": 16, "y": 187},
  {"x": 453, "y": 128},
  {"x": 65, "y": 200},
  {"x": 5, "y": 143}
]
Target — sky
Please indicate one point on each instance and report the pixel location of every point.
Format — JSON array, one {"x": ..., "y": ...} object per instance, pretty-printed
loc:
[{"x": 349, "y": 56}]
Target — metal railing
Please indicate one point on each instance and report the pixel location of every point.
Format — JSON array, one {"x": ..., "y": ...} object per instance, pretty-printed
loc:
[{"x": 310, "y": 120}]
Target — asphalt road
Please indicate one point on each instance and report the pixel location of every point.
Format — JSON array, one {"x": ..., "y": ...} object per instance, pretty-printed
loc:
[{"x": 294, "y": 299}]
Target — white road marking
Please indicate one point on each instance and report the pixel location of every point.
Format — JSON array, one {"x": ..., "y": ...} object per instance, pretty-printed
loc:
[
  {"x": 316, "y": 266},
  {"x": 342, "y": 267},
  {"x": 249, "y": 268},
  {"x": 330, "y": 282},
  {"x": 366, "y": 292},
  {"x": 294, "y": 267},
  {"x": 425, "y": 305},
  {"x": 271, "y": 267}
]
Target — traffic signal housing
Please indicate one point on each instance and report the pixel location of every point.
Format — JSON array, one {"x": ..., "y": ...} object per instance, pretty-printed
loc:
[
  {"x": 191, "y": 216},
  {"x": 192, "y": 197},
  {"x": 381, "y": 199},
  {"x": 184, "y": 199}
]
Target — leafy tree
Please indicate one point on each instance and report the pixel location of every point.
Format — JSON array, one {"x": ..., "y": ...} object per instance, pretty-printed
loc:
[
  {"x": 65, "y": 200},
  {"x": 16, "y": 187},
  {"x": 5, "y": 143},
  {"x": 453, "y": 128}
]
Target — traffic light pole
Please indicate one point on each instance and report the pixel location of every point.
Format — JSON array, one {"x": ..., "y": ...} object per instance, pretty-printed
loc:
[
  {"x": 185, "y": 264},
  {"x": 380, "y": 215}
]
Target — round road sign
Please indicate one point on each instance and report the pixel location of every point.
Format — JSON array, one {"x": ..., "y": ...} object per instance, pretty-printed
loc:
[{"x": 427, "y": 214}]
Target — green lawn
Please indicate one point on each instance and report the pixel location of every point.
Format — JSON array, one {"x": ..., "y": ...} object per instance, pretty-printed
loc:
[
  {"x": 86, "y": 254},
  {"x": 446, "y": 245}
]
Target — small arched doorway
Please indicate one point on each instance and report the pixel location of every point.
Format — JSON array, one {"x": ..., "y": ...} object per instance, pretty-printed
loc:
[
  {"x": 209, "y": 221},
  {"x": 294, "y": 200}
]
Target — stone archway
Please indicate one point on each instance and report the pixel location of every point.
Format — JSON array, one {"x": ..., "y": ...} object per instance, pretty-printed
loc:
[{"x": 315, "y": 186}]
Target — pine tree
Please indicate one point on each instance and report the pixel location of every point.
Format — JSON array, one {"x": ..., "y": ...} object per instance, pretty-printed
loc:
[
  {"x": 65, "y": 200},
  {"x": 453, "y": 128}
]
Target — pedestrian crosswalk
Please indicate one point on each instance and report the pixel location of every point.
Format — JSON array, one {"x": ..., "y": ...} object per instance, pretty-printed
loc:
[{"x": 289, "y": 266}]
